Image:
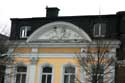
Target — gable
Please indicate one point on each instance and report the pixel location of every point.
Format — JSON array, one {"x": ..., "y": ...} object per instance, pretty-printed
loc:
[{"x": 59, "y": 31}]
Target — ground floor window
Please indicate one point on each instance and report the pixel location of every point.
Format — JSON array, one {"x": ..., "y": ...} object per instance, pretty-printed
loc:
[
  {"x": 21, "y": 74},
  {"x": 97, "y": 72},
  {"x": 46, "y": 74},
  {"x": 69, "y": 74}
]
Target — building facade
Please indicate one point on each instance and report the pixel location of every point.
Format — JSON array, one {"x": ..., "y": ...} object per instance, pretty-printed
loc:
[{"x": 45, "y": 48}]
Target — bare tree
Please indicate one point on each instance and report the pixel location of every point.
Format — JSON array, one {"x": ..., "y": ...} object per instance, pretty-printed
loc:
[
  {"x": 6, "y": 61},
  {"x": 97, "y": 62}
]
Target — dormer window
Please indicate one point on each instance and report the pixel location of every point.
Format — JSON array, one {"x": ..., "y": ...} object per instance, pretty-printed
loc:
[
  {"x": 24, "y": 31},
  {"x": 99, "y": 30}
]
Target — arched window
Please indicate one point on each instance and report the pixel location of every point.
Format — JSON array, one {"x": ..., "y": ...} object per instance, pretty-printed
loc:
[
  {"x": 69, "y": 74},
  {"x": 21, "y": 74},
  {"x": 46, "y": 74}
]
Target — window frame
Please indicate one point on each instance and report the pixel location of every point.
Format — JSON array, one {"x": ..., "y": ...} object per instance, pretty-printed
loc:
[
  {"x": 24, "y": 30},
  {"x": 63, "y": 71},
  {"x": 99, "y": 29},
  {"x": 101, "y": 74},
  {"x": 41, "y": 71},
  {"x": 26, "y": 73}
]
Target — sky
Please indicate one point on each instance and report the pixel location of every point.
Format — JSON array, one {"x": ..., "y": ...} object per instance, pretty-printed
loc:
[{"x": 36, "y": 8}]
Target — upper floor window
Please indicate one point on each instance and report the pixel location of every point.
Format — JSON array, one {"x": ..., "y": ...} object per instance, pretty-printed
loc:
[
  {"x": 24, "y": 31},
  {"x": 47, "y": 74},
  {"x": 99, "y": 30},
  {"x": 69, "y": 74},
  {"x": 21, "y": 74}
]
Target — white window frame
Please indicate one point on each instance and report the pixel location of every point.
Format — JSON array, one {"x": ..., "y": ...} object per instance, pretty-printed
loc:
[
  {"x": 24, "y": 30},
  {"x": 99, "y": 33},
  {"x": 40, "y": 73},
  {"x": 63, "y": 71},
  {"x": 101, "y": 75},
  {"x": 26, "y": 73}
]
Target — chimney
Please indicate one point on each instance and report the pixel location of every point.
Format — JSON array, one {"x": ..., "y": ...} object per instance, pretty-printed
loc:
[{"x": 52, "y": 12}]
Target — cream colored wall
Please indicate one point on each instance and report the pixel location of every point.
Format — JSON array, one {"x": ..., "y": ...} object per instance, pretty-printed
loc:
[{"x": 56, "y": 62}]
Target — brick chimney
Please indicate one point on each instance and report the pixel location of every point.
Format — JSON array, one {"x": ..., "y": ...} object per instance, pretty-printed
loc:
[{"x": 52, "y": 12}]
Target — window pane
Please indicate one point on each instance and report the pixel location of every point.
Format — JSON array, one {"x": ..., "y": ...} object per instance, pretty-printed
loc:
[
  {"x": 66, "y": 78},
  {"x": 23, "y": 78},
  {"x": 25, "y": 31},
  {"x": 43, "y": 78},
  {"x": 96, "y": 29},
  {"x": 21, "y": 69},
  {"x": 72, "y": 79},
  {"x": 49, "y": 79},
  {"x": 18, "y": 78},
  {"x": 103, "y": 29},
  {"x": 47, "y": 70},
  {"x": 69, "y": 69}
]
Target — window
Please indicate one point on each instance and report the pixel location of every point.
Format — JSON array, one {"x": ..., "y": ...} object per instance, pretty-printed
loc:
[
  {"x": 46, "y": 74},
  {"x": 69, "y": 74},
  {"x": 99, "y": 30},
  {"x": 21, "y": 74},
  {"x": 97, "y": 73},
  {"x": 24, "y": 31}
]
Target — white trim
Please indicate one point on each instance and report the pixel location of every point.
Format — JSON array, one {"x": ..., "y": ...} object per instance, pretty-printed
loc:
[
  {"x": 45, "y": 55},
  {"x": 82, "y": 75},
  {"x": 32, "y": 73},
  {"x": 54, "y": 55},
  {"x": 34, "y": 50},
  {"x": 40, "y": 71},
  {"x": 46, "y": 27},
  {"x": 81, "y": 44}
]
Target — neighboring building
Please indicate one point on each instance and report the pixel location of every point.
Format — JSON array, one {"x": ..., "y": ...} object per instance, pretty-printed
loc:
[
  {"x": 45, "y": 47},
  {"x": 3, "y": 49},
  {"x": 3, "y": 39},
  {"x": 120, "y": 78}
]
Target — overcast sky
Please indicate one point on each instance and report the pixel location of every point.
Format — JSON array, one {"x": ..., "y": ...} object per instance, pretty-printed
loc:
[{"x": 36, "y": 8}]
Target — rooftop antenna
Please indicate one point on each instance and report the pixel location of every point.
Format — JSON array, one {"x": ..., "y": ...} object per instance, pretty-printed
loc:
[{"x": 100, "y": 13}]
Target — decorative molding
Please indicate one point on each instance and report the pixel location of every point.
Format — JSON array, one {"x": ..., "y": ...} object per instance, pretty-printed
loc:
[
  {"x": 51, "y": 44},
  {"x": 35, "y": 56},
  {"x": 34, "y": 60},
  {"x": 34, "y": 50},
  {"x": 61, "y": 24},
  {"x": 45, "y": 55}
]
